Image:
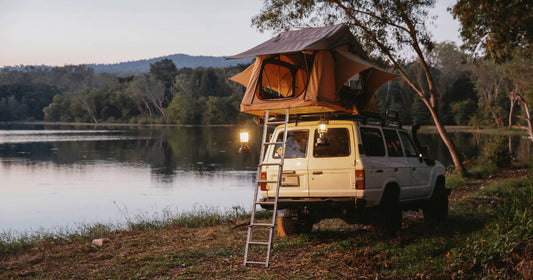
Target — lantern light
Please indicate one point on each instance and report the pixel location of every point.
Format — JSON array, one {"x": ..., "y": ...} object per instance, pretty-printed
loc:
[{"x": 245, "y": 138}]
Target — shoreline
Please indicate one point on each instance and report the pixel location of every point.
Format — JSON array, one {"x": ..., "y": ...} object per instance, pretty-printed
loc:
[
  {"x": 112, "y": 124},
  {"x": 423, "y": 129},
  {"x": 487, "y": 235}
]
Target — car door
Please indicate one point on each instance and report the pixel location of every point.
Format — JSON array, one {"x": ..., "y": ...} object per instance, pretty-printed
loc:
[
  {"x": 373, "y": 153},
  {"x": 294, "y": 182},
  {"x": 332, "y": 163},
  {"x": 420, "y": 172},
  {"x": 396, "y": 166}
]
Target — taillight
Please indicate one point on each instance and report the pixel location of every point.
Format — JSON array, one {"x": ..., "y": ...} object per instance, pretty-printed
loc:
[
  {"x": 360, "y": 179},
  {"x": 263, "y": 177}
]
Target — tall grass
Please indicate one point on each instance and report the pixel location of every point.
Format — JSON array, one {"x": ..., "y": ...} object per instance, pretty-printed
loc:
[{"x": 11, "y": 241}]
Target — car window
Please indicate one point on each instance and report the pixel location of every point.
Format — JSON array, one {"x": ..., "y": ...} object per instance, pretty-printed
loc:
[
  {"x": 296, "y": 145},
  {"x": 372, "y": 141},
  {"x": 408, "y": 145},
  {"x": 338, "y": 143},
  {"x": 394, "y": 148}
]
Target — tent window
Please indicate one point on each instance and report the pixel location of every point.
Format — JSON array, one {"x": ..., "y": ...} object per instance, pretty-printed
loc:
[{"x": 284, "y": 76}]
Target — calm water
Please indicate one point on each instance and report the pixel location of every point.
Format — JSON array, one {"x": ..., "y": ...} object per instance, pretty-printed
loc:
[{"x": 57, "y": 176}]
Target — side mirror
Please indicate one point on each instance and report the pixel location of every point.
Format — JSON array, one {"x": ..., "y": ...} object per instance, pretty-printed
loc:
[{"x": 424, "y": 151}]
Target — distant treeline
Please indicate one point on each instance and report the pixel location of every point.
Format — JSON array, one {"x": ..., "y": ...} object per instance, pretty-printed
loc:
[
  {"x": 470, "y": 92},
  {"x": 163, "y": 95}
]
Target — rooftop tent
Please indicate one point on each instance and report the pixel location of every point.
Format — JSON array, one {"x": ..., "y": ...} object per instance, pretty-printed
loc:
[{"x": 311, "y": 70}]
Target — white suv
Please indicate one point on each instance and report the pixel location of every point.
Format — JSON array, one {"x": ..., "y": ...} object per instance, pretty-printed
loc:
[{"x": 353, "y": 169}]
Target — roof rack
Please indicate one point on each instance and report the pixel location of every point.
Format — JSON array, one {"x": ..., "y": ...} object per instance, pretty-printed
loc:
[{"x": 390, "y": 118}]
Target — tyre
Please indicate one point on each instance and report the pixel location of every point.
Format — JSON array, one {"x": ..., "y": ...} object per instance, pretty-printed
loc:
[
  {"x": 436, "y": 209},
  {"x": 390, "y": 213},
  {"x": 291, "y": 222}
]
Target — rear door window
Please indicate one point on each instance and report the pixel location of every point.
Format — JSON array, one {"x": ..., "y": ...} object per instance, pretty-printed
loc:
[
  {"x": 372, "y": 142},
  {"x": 408, "y": 145},
  {"x": 338, "y": 143},
  {"x": 394, "y": 148},
  {"x": 296, "y": 145}
]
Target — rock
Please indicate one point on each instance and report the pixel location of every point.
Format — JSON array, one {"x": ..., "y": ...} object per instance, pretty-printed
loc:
[{"x": 100, "y": 242}]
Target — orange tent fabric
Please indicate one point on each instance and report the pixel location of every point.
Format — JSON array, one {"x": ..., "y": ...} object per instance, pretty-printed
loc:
[{"x": 307, "y": 71}]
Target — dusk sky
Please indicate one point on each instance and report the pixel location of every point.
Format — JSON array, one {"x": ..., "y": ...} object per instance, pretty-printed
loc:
[{"x": 59, "y": 32}]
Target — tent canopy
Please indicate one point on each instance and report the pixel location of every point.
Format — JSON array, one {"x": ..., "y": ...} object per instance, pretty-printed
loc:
[{"x": 311, "y": 70}]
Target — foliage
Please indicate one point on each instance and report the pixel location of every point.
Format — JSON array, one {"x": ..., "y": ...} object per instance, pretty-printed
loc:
[
  {"x": 497, "y": 27},
  {"x": 495, "y": 156},
  {"x": 389, "y": 28},
  {"x": 490, "y": 251},
  {"x": 455, "y": 181},
  {"x": 497, "y": 152},
  {"x": 165, "y": 94}
]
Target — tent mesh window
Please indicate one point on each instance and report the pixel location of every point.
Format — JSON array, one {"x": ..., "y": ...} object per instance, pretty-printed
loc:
[{"x": 284, "y": 76}]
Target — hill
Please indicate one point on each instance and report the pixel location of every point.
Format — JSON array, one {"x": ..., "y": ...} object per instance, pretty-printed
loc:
[
  {"x": 181, "y": 61},
  {"x": 142, "y": 66}
]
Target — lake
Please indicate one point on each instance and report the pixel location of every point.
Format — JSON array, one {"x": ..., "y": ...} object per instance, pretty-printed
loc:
[{"x": 52, "y": 176}]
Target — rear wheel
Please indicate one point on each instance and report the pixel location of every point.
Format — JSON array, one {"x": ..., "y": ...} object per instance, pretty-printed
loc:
[
  {"x": 291, "y": 222},
  {"x": 436, "y": 209},
  {"x": 390, "y": 213}
]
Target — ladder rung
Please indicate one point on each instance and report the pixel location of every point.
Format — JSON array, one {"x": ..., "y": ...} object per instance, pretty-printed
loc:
[
  {"x": 267, "y": 181},
  {"x": 261, "y": 225},
  {"x": 263, "y": 164},
  {"x": 251, "y": 262},
  {"x": 273, "y": 143},
  {"x": 265, "y": 202},
  {"x": 258, "y": 243},
  {"x": 275, "y": 122}
]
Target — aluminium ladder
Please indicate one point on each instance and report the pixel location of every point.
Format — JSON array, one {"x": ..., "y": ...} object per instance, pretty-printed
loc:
[{"x": 254, "y": 226}]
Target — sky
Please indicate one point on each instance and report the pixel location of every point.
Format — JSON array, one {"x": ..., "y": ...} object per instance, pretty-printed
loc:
[{"x": 60, "y": 32}]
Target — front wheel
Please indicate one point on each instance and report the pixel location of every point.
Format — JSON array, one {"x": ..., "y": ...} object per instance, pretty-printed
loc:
[{"x": 436, "y": 209}]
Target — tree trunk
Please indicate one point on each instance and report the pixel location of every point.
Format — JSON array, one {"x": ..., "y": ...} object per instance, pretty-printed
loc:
[
  {"x": 448, "y": 142},
  {"x": 529, "y": 128}
]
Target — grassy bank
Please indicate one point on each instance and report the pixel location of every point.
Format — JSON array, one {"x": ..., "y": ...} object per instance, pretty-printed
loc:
[{"x": 489, "y": 234}]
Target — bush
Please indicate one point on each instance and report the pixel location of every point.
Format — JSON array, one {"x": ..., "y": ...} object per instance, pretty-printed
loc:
[
  {"x": 483, "y": 170},
  {"x": 455, "y": 181},
  {"x": 496, "y": 152}
]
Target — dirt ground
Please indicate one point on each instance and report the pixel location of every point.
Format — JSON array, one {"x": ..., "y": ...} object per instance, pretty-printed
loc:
[{"x": 217, "y": 253}]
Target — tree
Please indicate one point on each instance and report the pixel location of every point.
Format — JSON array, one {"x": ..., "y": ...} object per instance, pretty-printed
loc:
[
  {"x": 518, "y": 73},
  {"x": 388, "y": 27},
  {"x": 496, "y": 27},
  {"x": 165, "y": 71},
  {"x": 148, "y": 92}
]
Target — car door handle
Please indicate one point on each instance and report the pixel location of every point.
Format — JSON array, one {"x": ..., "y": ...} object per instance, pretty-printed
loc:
[
  {"x": 317, "y": 172},
  {"x": 379, "y": 171}
]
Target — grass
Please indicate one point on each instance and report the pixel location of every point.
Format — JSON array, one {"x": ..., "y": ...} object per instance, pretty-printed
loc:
[{"x": 488, "y": 235}]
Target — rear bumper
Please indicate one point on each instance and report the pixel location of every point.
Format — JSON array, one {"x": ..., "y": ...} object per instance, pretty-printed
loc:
[{"x": 329, "y": 203}]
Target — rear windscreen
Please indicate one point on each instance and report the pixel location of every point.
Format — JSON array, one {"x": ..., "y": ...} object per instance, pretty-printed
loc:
[
  {"x": 296, "y": 145},
  {"x": 336, "y": 143}
]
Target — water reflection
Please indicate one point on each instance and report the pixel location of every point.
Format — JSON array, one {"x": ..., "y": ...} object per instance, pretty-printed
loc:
[
  {"x": 470, "y": 145},
  {"x": 58, "y": 175}
]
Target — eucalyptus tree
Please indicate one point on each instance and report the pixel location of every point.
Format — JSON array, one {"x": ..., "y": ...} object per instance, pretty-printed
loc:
[
  {"x": 148, "y": 93},
  {"x": 495, "y": 28},
  {"x": 390, "y": 29}
]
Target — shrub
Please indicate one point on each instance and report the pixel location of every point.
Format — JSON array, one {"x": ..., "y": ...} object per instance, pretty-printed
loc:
[
  {"x": 496, "y": 152},
  {"x": 455, "y": 181}
]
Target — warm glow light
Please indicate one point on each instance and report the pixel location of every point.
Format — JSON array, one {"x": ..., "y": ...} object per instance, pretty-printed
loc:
[
  {"x": 245, "y": 136},
  {"x": 322, "y": 128}
]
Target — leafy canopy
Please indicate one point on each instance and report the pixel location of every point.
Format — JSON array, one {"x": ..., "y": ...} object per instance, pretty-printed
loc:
[
  {"x": 495, "y": 27},
  {"x": 384, "y": 27}
]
